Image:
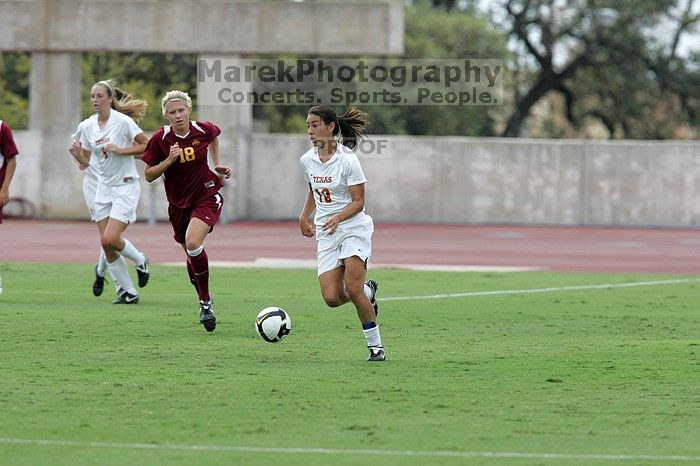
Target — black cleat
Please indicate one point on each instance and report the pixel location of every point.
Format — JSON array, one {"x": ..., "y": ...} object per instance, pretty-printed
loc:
[
  {"x": 376, "y": 354},
  {"x": 124, "y": 297},
  {"x": 98, "y": 286},
  {"x": 374, "y": 286},
  {"x": 206, "y": 316},
  {"x": 143, "y": 273}
]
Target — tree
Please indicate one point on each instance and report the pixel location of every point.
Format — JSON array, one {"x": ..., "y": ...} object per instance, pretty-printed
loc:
[
  {"x": 447, "y": 4},
  {"x": 605, "y": 63}
]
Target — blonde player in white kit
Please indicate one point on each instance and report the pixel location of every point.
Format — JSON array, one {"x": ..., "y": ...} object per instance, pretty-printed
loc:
[
  {"x": 90, "y": 182},
  {"x": 343, "y": 230},
  {"x": 108, "y": 141}
]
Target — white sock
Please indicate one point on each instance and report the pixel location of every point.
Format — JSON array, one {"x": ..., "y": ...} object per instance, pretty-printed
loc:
[
  {"x": 102, "y": 263},
  {"x": 368, "y": 292},
  {"x": 132, "y": 253},
  {"x": 120, "y": 275},
  {"x": 372, "y": 336},
  {"x": 117, "y": 286}
]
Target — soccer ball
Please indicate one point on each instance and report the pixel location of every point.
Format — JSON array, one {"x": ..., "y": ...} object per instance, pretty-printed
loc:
[{"x": 273, "y": 324}]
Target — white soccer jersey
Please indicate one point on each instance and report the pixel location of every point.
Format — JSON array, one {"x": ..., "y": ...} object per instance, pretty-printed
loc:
[
  {"x": 91, "y": 169},
  {"x": 330, "y": 182},
  {"x": 120, "y": 130}
]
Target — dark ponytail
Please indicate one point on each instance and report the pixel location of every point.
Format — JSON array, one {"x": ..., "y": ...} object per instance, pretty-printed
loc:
[{"x": 351, "y": 125}]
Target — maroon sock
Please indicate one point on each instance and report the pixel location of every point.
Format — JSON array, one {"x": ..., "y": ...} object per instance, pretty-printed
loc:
[
  {"x": 190, "y": 272},
  {"x": 200, "y": 270}
]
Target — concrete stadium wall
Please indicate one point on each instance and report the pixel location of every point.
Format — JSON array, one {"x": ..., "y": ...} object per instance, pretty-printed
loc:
[
  {"x": 432, "y": 179},
  {"x": 529, "y": 181},
  {"x": 222, "y": 26},
  {"x": 57, "y": 32}
]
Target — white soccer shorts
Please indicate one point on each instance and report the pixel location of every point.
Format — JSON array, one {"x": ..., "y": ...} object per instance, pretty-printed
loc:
[
  {"x": 118, "y": 202},
  {"x": 345, "y": 242},
  {"x": 89, "y": 191}
]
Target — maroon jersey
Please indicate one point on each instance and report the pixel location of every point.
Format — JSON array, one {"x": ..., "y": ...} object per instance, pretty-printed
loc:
[
  {"x": 8, "y": 149},
  {"x": 189, "y": 179}
]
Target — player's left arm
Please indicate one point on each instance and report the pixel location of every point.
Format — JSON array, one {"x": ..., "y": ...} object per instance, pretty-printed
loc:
[
  {"x": 216, "y": 159},
  {"x": 137, "y": 148},
  {"x": 11, "y": 163},
  {"x": 357, "y": 194}
]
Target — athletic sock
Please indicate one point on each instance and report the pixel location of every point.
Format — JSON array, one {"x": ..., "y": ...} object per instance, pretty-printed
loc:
[
  {"x": 368, "y": 291},
  {"x": 200, "y": 267},
  {"x": 371, "y": 334},
  {"x": 102, "y": 263},
  {"x": 120, "y": 273},
  {"x": 132, "y": 253},
  {"x": 190, "y": 272},
  {"x": 109, "y": 272}
]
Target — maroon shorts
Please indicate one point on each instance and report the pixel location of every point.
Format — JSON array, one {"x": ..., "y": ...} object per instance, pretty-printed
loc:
[{"x": 207, "y": 210}]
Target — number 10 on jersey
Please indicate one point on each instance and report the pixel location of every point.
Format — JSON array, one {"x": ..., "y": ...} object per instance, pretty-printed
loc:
[{"x": 324, "y": 195}]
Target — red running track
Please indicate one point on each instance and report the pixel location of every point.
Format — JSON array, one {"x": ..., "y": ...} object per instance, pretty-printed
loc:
[{"x": 623, "y": 250}]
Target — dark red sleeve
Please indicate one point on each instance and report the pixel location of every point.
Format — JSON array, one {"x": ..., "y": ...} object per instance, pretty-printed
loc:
[
  {"x": 8, "y": 149},
  {"x": 153, "y": 154},
  {"x": 212, "y": 130}
]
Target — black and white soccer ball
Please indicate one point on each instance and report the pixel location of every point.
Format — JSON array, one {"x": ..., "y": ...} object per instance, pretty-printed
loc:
[{"x": 273, "y": 324}]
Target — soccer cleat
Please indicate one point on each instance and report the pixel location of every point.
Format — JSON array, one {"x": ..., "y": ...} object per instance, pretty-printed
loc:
[
  {"x": 206, "y": 316},
  {"x": 143, "y": 273},
  {"x": 374, "y": 286},
  {"x": 98, "y": 285},
  {"x": 376, "y": 353},
  {"x": 124, "y": 297}
]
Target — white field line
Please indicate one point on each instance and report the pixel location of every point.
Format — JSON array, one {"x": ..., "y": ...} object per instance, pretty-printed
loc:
[
  {"x": 341, "y": 451},
  {"x": 465, "y": 294},
  {"x": 282, "y": 263},
  {"x": 544, "y": 290}
]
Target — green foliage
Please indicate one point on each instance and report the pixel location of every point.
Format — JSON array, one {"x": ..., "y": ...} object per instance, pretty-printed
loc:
[
  {"x": 431, "y": 33},
  {"x": 570, "y": 372},
  {"x": 631, "y": 82},
  {"x": 146, "y": 76},
  {"x": 14, "y": 89},
  {"x": 437, "y": 34},
  {"x": 434, "y": 33}
]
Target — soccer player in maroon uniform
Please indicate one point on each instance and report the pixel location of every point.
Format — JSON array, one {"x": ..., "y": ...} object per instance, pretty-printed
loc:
[
  {"x": 179, "y": 153},
  {"x": 8, "y": 151}
]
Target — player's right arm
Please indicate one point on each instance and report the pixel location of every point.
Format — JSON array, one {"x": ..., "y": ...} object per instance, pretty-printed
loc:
[
  {"x": 307, "y": 228},
  {"x": 81, "y": 155},
  {"x": 10, "y": 165},
  {"x": 153, "y": 172}
]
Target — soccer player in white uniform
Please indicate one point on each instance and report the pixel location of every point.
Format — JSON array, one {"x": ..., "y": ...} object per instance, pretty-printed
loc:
[
  {"x": 90, "y": 182},
  {"x": 343, "y": 230},
  {"x": 108, "y": 141}
]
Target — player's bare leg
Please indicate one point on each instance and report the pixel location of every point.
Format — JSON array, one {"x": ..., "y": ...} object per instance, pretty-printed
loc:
[{"x": 333, "y": 287}]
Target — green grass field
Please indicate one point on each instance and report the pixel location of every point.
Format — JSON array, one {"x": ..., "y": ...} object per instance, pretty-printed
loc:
[{"x": 554, "y": 376}]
